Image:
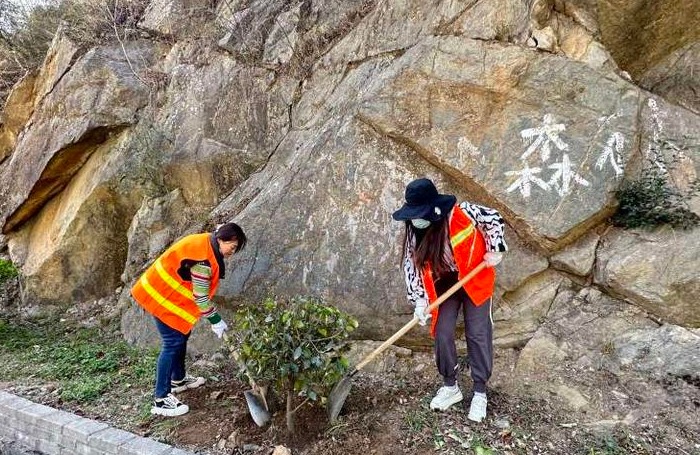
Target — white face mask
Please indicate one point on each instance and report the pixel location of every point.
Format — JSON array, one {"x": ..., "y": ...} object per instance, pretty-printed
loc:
[{"x": 420, "y": 223}]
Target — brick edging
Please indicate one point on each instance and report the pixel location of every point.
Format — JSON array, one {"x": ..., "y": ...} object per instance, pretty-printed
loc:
[{"x": 55, "y": 432}]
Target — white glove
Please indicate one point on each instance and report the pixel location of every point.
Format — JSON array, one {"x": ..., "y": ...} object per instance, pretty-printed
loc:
[
  {"x": 219, "y": 328},
  {"x": 492, "y": 259},
  {"x": 420, "y": 312}
]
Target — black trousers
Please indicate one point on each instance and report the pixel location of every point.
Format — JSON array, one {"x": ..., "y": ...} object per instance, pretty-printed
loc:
[{"x": 478, "y": 328}]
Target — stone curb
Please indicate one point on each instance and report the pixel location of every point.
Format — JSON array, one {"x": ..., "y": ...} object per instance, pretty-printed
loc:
[{"x": 54, "y": 432}]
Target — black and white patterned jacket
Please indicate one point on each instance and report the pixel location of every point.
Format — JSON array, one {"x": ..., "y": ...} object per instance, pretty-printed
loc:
[{"x": 490, "y": 224}]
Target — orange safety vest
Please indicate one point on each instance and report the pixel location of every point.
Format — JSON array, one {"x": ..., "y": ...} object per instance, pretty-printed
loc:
[
  {"x": 468, "y": 248},
  {"x": 167, "y": 295}
]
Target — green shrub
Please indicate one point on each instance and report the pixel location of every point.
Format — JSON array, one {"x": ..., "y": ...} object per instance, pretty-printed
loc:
[
  {"x": 652, "y": 199},
  {"x": 7, "y": 270},
  {"x": 294, "y": 346}
]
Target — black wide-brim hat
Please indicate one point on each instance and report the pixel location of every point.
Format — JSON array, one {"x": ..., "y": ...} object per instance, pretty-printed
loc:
[{"x": 423, "y": 201}]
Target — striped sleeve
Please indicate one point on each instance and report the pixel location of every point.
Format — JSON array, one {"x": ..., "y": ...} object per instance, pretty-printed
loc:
[
  {"x": 414, "y": 282},
  {"x": 490, "y": 223},
  {"x": 201, "y": 282}
]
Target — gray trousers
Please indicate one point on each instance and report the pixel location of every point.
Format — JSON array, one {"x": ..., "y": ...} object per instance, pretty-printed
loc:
[{"x": 478, "y": 329}]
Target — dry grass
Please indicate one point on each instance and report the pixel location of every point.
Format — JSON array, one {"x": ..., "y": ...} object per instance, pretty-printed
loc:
[{"x": 26, "y": 33}]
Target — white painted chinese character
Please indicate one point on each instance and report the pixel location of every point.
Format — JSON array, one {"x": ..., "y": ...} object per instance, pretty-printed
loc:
[
  {"x": 656, "y": 119},
  {"x": 615, "y": 144},
  {"x": 539, "y": 138},
  {"x": 657, "y": 127},
  {"x": 527, "y": 175},
  {"x": 563, "y": 171}
]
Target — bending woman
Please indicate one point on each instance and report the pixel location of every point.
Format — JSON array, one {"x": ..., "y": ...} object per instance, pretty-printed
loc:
[
  {"x": 177, "y": 290},
  {"x": 443, "y": 243}
]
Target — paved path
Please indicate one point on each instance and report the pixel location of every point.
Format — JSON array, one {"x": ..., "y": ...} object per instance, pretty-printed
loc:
[{"x": 50, "y": 431}]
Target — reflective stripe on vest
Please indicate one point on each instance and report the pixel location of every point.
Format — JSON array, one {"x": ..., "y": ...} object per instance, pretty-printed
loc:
[
  {"x": 172, "y": 282},
  {"x": 167, "y": 304},
  {"x": 168, "y": 296},
  {"x": 462, "y": 235}
]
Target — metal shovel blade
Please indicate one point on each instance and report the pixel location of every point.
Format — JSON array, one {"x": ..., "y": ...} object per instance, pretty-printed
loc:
[
  {"x": 257, "y": 410},
  {"x": 337, "y": 397}
]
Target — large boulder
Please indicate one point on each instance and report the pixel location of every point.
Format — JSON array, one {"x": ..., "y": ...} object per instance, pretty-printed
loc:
[
  {"x": 655, "y": 270},
  {"x": 93, "y": 102},
  {"x": 542, "y": 136},
  {"x": 31, "y": 90},
  {"x": 64, "y": 216},
  {"x": 73, "y": 249},
  {"x": 676, "y": 78},
  {"x": 639, "y": 34}
]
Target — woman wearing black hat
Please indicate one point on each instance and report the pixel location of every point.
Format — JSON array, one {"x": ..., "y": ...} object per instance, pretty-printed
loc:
[{"x": 443, "y": 243}]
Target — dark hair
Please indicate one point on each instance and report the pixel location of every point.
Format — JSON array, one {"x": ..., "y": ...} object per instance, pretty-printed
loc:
[
  {"x": 431, "y": 249},
  {"x": 231, "y": 231}
]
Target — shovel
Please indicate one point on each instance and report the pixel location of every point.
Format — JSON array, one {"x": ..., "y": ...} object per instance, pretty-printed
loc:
[
  {"x": 255, "y": 398},
  {"x": 340, "y": 392}
]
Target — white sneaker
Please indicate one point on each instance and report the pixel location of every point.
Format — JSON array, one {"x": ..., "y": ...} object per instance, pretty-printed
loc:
[
  {"x": 189, "y": 382},
  {"x": 446, "y": 397},
  {"x": 169, "y": 406},
  {"x": 477, "y": 410}
]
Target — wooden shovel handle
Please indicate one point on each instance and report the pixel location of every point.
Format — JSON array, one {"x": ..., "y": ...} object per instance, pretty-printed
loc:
[{"x": 402, "y": 331}]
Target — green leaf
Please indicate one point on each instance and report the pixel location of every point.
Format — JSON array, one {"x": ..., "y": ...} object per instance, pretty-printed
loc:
[
  {"x": 481, "y": 450},
  {"x": 298, "y": 342}
]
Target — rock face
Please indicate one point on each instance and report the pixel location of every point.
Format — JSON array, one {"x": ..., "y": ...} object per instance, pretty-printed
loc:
[
  {"x": 97, "y": 99},
  {"x": 667, "y": 350},
  {"x": 639, "y": 34},
  {"x": 676, "y": 77},
  {"x": 656, "y": 271},
  {"x": 165, "y": 16},
  {"x": 453, "y": 100},
  {"x": 18, "y": 109},
  {"x": 32, "y": 89},
  {"x": 306, "y": 123},
  {"x": 580, "y": 257}
]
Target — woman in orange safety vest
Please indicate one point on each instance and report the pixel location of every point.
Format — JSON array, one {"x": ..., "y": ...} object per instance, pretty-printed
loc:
[
  {"x": 177, "y": 290},
  {"x": 443, "y": 243}
]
